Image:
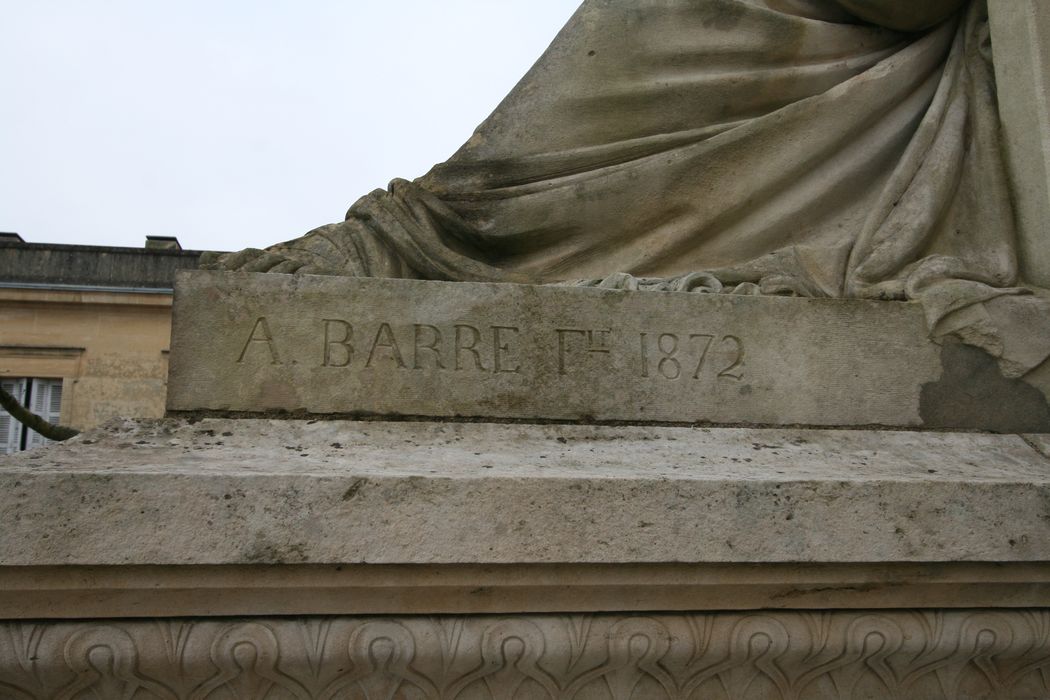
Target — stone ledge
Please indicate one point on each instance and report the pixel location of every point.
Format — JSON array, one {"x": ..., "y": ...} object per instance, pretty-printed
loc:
[
  {"x": 68, "y": 593},
  {"x": 922, "y": 558},
  {"x": 223, "y": 492},
  {"x": 910, "y": 655}
]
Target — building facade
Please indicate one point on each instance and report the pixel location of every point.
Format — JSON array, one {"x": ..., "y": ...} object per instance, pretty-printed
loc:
[{"x": 84, "y": 331}]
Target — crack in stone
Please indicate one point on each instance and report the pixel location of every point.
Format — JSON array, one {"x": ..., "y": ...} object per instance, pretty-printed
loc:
[{"x": 1043, "y": 452}]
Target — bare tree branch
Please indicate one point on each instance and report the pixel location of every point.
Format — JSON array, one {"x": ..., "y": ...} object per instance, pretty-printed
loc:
[{"x": 31, "y": 420}]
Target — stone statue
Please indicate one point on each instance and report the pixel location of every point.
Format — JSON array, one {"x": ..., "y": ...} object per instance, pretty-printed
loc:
[{"x": 823, "y": 148}]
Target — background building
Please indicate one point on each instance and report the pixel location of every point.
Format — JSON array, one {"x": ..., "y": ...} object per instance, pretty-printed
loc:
[{"x": 84, "y": 331}]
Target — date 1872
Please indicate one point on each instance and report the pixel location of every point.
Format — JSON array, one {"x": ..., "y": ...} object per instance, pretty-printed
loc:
[{"x": 673, "y": 356}]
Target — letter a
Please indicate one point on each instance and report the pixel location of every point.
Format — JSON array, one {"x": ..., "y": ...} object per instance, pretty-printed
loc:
[
  {"x": 386, "y": 339},
  {"x": 265, "y": 337}
]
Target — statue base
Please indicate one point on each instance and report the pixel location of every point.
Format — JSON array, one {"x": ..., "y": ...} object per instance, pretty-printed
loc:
[
  {"x": 185, "y": 557},
  {"x": 262, "y": 344}
]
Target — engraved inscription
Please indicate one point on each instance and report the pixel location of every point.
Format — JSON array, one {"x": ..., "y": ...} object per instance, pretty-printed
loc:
[
  {"x": 592, "y": 341},
  {"x": 473, "y": 348},
  {"x": 467, "y": 339},
  {"x": 260, "y": 335},
  {"x": 669, "y": 366},
  {"x": 663, "y": 354},
  {"x": 418, "y": 347},
  {"x": 502, "y": 349},
  {"x": 427, "y": 344},
  {"x": 735, "y": 370},
  {"x": 703, "y": 343},
  {"x": 337, "y": 337},
  {"x": 385, "y": 344}
]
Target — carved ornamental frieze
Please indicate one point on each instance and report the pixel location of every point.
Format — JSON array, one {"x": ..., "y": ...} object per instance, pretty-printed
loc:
[{"x": 925, "y": 655}]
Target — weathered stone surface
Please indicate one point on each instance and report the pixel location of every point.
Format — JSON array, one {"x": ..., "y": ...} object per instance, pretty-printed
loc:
[
  {"x": 909, "y": 655},
  {"x": 1021, "y": 40},
  {"x": 258, "y": 343},
  {"x": 229, "y": 492}
]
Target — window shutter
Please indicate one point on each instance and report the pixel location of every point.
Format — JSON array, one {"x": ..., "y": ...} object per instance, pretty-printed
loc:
[
  {"x": 47, "y": 403},
  {"x": 54, "y": 408},
  {"x": 10, "y": 429}
]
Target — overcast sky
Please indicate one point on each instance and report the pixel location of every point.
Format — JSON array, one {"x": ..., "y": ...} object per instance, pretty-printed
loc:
[{"x": 234, "y": 123}]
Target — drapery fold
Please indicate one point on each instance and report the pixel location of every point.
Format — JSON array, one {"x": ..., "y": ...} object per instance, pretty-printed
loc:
[{"x": 845, "y": 148}]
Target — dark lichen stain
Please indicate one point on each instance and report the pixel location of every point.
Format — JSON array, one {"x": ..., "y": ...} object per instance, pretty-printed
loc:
[
  {"x": 354, "y": 489},
  {"x": 269, "y": 553},
  {"x": 724, "y": 16},
  {"x": 972, "y": 393}
]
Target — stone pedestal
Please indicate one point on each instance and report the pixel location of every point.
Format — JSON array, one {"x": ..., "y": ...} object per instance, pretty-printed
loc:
[
  {"x": 221, "y": 553},
  {"x": 309, "y": 559},
  {"x": 568, "y": 522}
]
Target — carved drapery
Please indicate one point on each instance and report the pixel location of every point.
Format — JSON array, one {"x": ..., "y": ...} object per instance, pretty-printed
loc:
[{"x": 739, "y": 146}]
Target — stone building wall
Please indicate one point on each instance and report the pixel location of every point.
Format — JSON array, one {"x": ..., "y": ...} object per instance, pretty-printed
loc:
[
  {"x": 96, "y": 318},
  {"x": 110, "y": 349}
]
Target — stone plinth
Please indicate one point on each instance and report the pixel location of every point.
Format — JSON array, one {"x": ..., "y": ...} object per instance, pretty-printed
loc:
[
  {"x": 243, "y": 492},
  {"x": 254, "y": 343},
  {"x": 482, "y": 560},
  {"x": 498, "y": 503}
]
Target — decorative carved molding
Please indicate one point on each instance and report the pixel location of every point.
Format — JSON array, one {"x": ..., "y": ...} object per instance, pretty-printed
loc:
[{"x": 737, "y": 656}]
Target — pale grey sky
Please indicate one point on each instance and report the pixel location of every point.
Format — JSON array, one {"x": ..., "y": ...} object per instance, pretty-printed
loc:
[{"x": 234, "y": 123}]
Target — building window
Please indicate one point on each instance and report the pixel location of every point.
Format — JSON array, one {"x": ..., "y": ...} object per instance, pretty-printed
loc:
[{"x": 43, "y": 397}]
